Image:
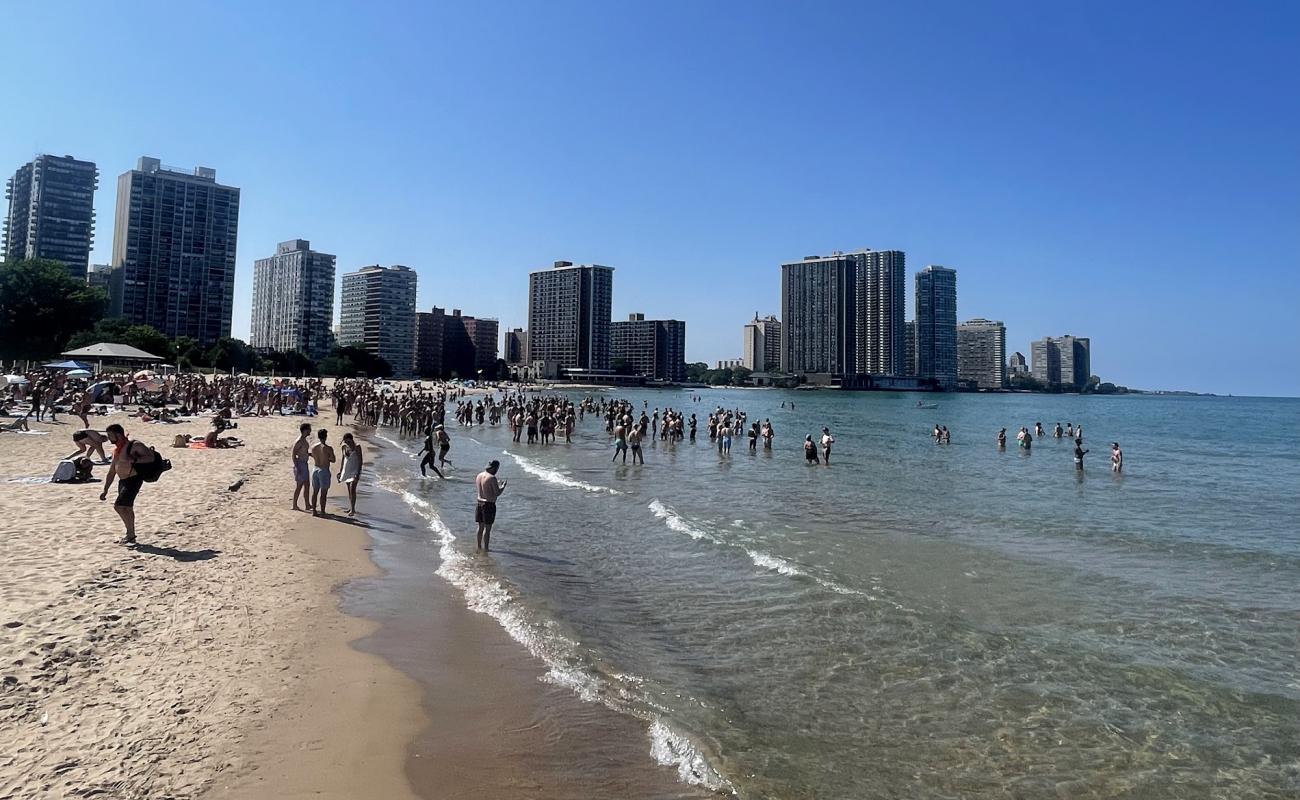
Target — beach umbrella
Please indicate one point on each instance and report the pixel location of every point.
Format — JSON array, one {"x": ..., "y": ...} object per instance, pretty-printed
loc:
[
  {"x": 16, "y": 380},
  {"x": 149, "y": 385},
  {"x": 142, "y": 375},
  {"x": 78, "y": 373},
  {"x": 98, "y": 390}
]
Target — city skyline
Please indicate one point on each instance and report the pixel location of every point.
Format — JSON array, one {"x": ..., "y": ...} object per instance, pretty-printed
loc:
[{"x": 1101, "y": 148}]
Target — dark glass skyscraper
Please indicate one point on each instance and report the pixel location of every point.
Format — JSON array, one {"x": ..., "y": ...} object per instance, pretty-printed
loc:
[
  {"x": 936, "y": 325},
  {"x": 51, "y": 212},
  {"x": 174, "y": 242}
]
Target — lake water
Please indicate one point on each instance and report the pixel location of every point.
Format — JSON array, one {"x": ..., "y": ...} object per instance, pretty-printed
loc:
[{"x": 914, "y": 620}]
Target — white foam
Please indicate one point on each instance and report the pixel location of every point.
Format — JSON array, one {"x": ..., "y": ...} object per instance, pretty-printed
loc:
[
  {"x": 557, "y": 478},
  {"x": 398, "y": 445},
  {"x": 675, "y": 522},
  {"x": 674, "y": 750}
]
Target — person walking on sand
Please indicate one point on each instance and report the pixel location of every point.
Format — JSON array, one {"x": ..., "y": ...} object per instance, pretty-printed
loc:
[
  {"x": 827, "y": 441},
  {"x": 1116, "y": 458},
  {"x": 350, "y": 474},
  {"x": 485, "y": 510},
  {"x": 323, "y": 455},
  {"x": 301, "y": 480},
  {"x": 127, "y": 454}
]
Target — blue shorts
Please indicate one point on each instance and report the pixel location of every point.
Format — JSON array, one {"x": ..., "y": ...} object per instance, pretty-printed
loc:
[
  {"x": 300, "y": 471},
  {"x": 320, "y": 478}
]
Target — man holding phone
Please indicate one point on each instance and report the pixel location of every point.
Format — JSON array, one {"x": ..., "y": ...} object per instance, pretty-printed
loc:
[{"x": 485, "y": 511}]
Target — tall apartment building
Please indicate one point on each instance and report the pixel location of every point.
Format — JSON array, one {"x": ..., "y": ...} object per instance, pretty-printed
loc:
[
  {"x": 1017, "y": 366},
  {"x": 378, "y": 314},
  {"x": 655, "y": 348},
  {"x": 982, "y": 353},
  {"x": 569, "y": 310},
  {"x": 909, "y": 349},
  {"x": 483, "y": 335},
  {"x": 429, "y": 327},
  {"x": 516, "y": 347},
  {"x": 174, "y": 241},
  {"x": 52, "y": 212},
  {"x": 936, "y": 325},
  {"x": 1063, "y": 362},
  {"x": 457, "y": 346},
  {"x": 844, "y": 313},
  {"x": 762, "y": 344},
  {"x": 293, "y": 300}
]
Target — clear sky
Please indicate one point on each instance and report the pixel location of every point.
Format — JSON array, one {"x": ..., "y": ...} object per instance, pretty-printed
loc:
[{"x": 1124, "y": 171}]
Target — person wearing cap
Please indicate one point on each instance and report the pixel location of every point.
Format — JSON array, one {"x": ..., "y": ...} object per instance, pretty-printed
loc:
[{"x": 485, "y": 511}]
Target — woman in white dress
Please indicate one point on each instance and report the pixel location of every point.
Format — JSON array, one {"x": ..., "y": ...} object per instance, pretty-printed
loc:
[{"x": 350, "y": 473}]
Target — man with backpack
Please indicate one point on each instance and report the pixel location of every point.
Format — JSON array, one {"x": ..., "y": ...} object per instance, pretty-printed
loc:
[{"x": 132, "y": 462}]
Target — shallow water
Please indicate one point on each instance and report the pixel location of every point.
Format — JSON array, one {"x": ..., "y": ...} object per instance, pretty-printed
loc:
[{"x": 915, "y": 619}]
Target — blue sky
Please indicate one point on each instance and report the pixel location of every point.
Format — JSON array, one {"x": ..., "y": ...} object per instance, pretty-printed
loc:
[{"x": 1129, "y": 172}]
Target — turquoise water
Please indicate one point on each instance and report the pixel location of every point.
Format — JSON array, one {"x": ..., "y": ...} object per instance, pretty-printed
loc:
[{"x": 914, "y": 620}]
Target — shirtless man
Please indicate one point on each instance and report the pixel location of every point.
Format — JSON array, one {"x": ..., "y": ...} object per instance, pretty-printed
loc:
[
  {"x": 301, "y": 481},
  {"x": 1116, "y": 458},
  {"x": 82, "y": 409},
  {"x": 323, "y": 455},
  {"x": 89, "y": 441},
  {"x": 485, "y": 510},
  {"x": 634, "y": 439},
  {"x": 620, "y": 442},
  {"x": 426, "y": 450},
  {"x": 126, "y": 454}
]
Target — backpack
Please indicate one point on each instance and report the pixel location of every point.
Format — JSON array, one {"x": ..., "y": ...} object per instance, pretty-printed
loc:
[
  {"x": 65, "y": 472},
  {"x": 151, "y": 471}
]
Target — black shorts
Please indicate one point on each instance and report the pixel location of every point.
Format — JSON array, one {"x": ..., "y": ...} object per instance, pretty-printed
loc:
[
  {"x": 127, "y": 489},
  {"x": 485, "y": 513}
]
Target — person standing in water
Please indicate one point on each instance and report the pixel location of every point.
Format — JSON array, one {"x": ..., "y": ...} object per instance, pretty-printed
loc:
[
  {"x": 1002, "y": 439},
  {"x": 1116, "y": 458},
  {"x": 620, "y": 442},
  {"x": 1079, "y": 453},
  {"x": 350, "y": 474},
  {"x": 634, "y": 440},
  {"x": 485, "y": 510},
  {"x": 810, "y": 450},
  {"x": 827, "y": 441}
]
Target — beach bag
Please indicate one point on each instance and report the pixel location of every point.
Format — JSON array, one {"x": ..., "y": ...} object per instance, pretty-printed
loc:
[
  {"x": 151, "y": 471},
  {"x": 64, "y": 472},
  {"x": 181, "y": 440}
]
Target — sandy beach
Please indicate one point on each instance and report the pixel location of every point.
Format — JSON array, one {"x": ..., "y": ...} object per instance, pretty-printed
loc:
[{"x": 138, "y": 672}]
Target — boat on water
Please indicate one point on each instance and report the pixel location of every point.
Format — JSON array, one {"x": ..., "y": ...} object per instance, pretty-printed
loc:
[{"x": 921, "y": 405}]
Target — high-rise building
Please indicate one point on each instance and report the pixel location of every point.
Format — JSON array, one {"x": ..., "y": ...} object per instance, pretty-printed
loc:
[
  {"x": 1017, "y": 366},
  {"x": 655, "y": 348},
  {"x": 51, "y": 212},
  {"x": 982, "y": 353},
  {"x": 101, "y": 276},
  {"x": 429, "y": 327},
  {"x": 457, "y": 346},
  {"x": 844, "y": 313},
  {"x": 569, "y": 310},
  {"x": 909, "y": 349},
  {"x": 293, "y": 300},
  {"x": 378, "y": 314},
  {"x": 1063, "y": 362},
  {"x": 483, "y": 335},
  {"x": 516, "y": 347},
  {"x": 762, "y": 344},
  {"x": 174, "y": 241},
  {"x": 936, "y": 325}
]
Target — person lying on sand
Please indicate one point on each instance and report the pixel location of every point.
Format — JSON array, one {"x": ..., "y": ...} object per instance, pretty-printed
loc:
[{"x": 19, "y": 424}]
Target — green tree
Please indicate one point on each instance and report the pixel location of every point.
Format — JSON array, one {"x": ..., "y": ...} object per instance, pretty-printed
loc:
[
  {"x": 120, "y": 331},
  {"x": 189, "y": 353},
  {"x": 346, "y": 362},
  {"x": 740, "y": 376},
  {"x": 41, "y": 307},
  {"x": 718, "y": 377},
  {"x": 696, "y": 371},
  {"x": 232, "y": 355}
]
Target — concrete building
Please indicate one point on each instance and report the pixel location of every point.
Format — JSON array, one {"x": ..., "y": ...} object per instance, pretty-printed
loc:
[
  {"x": 1017, "y": 366},
  {"x": 655, "y": 348},
  {"x": 1063, "y": 362},
  {"x": 982, "y": 353},
  {"x": 52, "y": 212},
  {"x": 909, "y": 349},
  {"x": 844, "y": 313},
  {"x": 174, "y": 241},
  {"x": 516, "y": 347},
  {"x": 429, "y": 327},
  {"x": 569, "y": 310},
  {"x": 293, "y": 300},
  {"x": 457, "y": 347},
  {"x": 730, "y": 363},
  {"x": 101, "y": 276},
  {"x": 483, "y": 335},
  {"x": 936, "y": 325},
  {"x": 762, "y": 344},
  {"x": 378, "y": 315}
]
